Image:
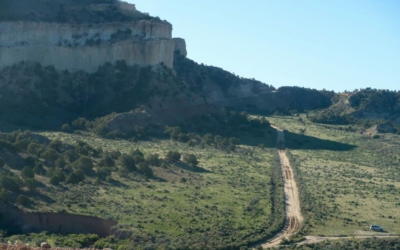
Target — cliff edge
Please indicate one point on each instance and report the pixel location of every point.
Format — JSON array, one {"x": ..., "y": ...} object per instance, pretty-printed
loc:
[{"x": 75, "y": 44}]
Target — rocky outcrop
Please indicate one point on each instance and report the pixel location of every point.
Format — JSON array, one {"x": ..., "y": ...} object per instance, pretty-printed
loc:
[
  {"x": 86, "y": 46},
  {"x": 180, "y": 46}
]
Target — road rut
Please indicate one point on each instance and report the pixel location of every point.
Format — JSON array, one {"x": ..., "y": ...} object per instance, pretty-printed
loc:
[{"x": 292, "y": 206}]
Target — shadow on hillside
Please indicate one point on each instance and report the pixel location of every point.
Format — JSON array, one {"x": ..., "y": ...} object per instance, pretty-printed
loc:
[
  {"x": 301, "y": 141},
  {"x": 295, "y": 141},
  {"x": 187, "y": 167},
  {"x": 36, "y": 196}
]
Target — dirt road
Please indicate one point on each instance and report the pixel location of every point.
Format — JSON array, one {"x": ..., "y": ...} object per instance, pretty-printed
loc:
[
  {"x": 315, "y": 239},
  {"x": 293, "y": 211}
]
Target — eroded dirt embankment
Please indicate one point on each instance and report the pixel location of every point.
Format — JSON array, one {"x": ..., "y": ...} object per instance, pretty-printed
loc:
[{"x": 17, "y": 220}]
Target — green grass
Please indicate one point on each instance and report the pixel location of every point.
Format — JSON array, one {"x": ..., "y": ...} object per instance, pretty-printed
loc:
[
  {"x": 228, "y": 202},
  {"x": 351, "y": 184}
]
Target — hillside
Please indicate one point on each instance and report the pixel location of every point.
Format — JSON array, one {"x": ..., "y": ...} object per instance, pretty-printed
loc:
[{"x": 112, "y": 137}]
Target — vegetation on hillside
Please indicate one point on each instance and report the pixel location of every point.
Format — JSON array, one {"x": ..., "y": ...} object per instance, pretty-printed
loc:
[
  {"x": 71, "y": 11},
  {"x": 357, "y": 177}
]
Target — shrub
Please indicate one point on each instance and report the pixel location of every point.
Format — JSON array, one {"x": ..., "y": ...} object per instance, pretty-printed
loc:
[
  {"x": 23, "y": 200},
  {"x": 9, "y": 183},
  {"x": 153, "y": 160},
  {"x": 27, "y": 172},
  {"x": 73, "y": 178},
  {"x": 38, "y": 170},
  {"x": 81, "y": 124},
  {"x": 59, "y": 174},
  {"x": 173, "y": 156},
  {"x": 31, "y": 184},
  {"x": 66, "y": 128},
  {"x": 104, "y": 171},
  {"x": 84, "y": 164},
  {"x": 50, "y": 154},
  {"x": 190, "y": 159},
  {"x": 54, "y": 180},
  {"x": 127, "y": 162},
  {"x": 34, "y": 148},
  {"x": 106, "y": 161},
  {"x": 145, "y": 169},
  {"x": 2, "y": 163}
]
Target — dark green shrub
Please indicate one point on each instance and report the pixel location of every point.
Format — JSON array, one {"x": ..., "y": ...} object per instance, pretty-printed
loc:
[
  {"x": 9, "y": 183},
  {"x": 190, "y": 159},
  {"x": 173, "y": 156},
  {"x": 73, "y": 178},
  {"x": 49, "y": 154},
  {"x": 153, "y": 160},
  {"x": 145, "y": 169},
  {"x": 59, "y": 174},
  {"x": 31, "y": 184},
  {"x": 66, "y": 128},
  {"x": 27, "y": 172},
  {"x": 106, "y": 161},
  {"x": 84, "y": 164},
  {"x": 54, "y": 180},
  {"x": 127, "y": 162},
  {"x": 104, "y": 171},
  {"x": 34, "y": 148},
  {"x": 2, "y": 163}
]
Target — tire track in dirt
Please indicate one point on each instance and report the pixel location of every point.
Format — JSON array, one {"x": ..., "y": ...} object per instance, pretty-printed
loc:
[{"x": 292, "y": 202}]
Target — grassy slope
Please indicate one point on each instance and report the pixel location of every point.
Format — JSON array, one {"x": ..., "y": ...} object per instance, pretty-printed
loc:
[
  {"x": 349, "y": 189},
  {"x": 231, "y": 196}
]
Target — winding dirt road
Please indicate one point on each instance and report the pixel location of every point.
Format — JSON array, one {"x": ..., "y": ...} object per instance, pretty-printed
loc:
[{"x": 292, "y": 207}]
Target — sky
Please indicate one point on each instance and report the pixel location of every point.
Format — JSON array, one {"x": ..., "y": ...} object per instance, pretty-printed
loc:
[{"x": 323, "y": 44}]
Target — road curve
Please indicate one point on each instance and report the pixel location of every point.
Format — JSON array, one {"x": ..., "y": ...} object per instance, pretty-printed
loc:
[{"x": 292, "y": 202}]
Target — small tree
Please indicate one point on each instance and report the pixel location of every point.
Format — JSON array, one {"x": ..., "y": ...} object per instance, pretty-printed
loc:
[
  {"x": 54, "y": 180},
  {"x": 38, "y": 169},
  {"x": 173, "y": 156},
  {"x": 59, "y": 174},
  {"x": 34, "y": 148},
  {"x": 66, "y": 128},
  {"x": 127, "y": 162},
  {"x": 49, "y": 154},
  {"x": 153, "y": 160},
  {"x": 190, "y": 159},
  {"x": 27, "y": 172},
  {"x": 9, "y": 183},
  {"x": 73, "y": 178},
  {"x": 84, "y": 164},
  {"x": 106, "y": 161},
  {"x": 145, "y": 169},
  {"x": 31, "y": 184}
]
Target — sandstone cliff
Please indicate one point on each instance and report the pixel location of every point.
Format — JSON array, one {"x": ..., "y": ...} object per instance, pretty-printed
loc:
[{"x": 86, "y": 46}]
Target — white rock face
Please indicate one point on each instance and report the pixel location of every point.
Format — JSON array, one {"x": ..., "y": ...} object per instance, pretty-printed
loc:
[{"x": 68, "y": 46}]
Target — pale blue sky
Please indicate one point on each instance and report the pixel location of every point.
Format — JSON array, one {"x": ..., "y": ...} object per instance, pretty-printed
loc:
[{"x": 333, "y": 44}]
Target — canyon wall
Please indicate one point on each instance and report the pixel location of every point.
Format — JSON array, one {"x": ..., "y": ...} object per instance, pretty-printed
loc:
[{"x": 86, "y": 46}]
